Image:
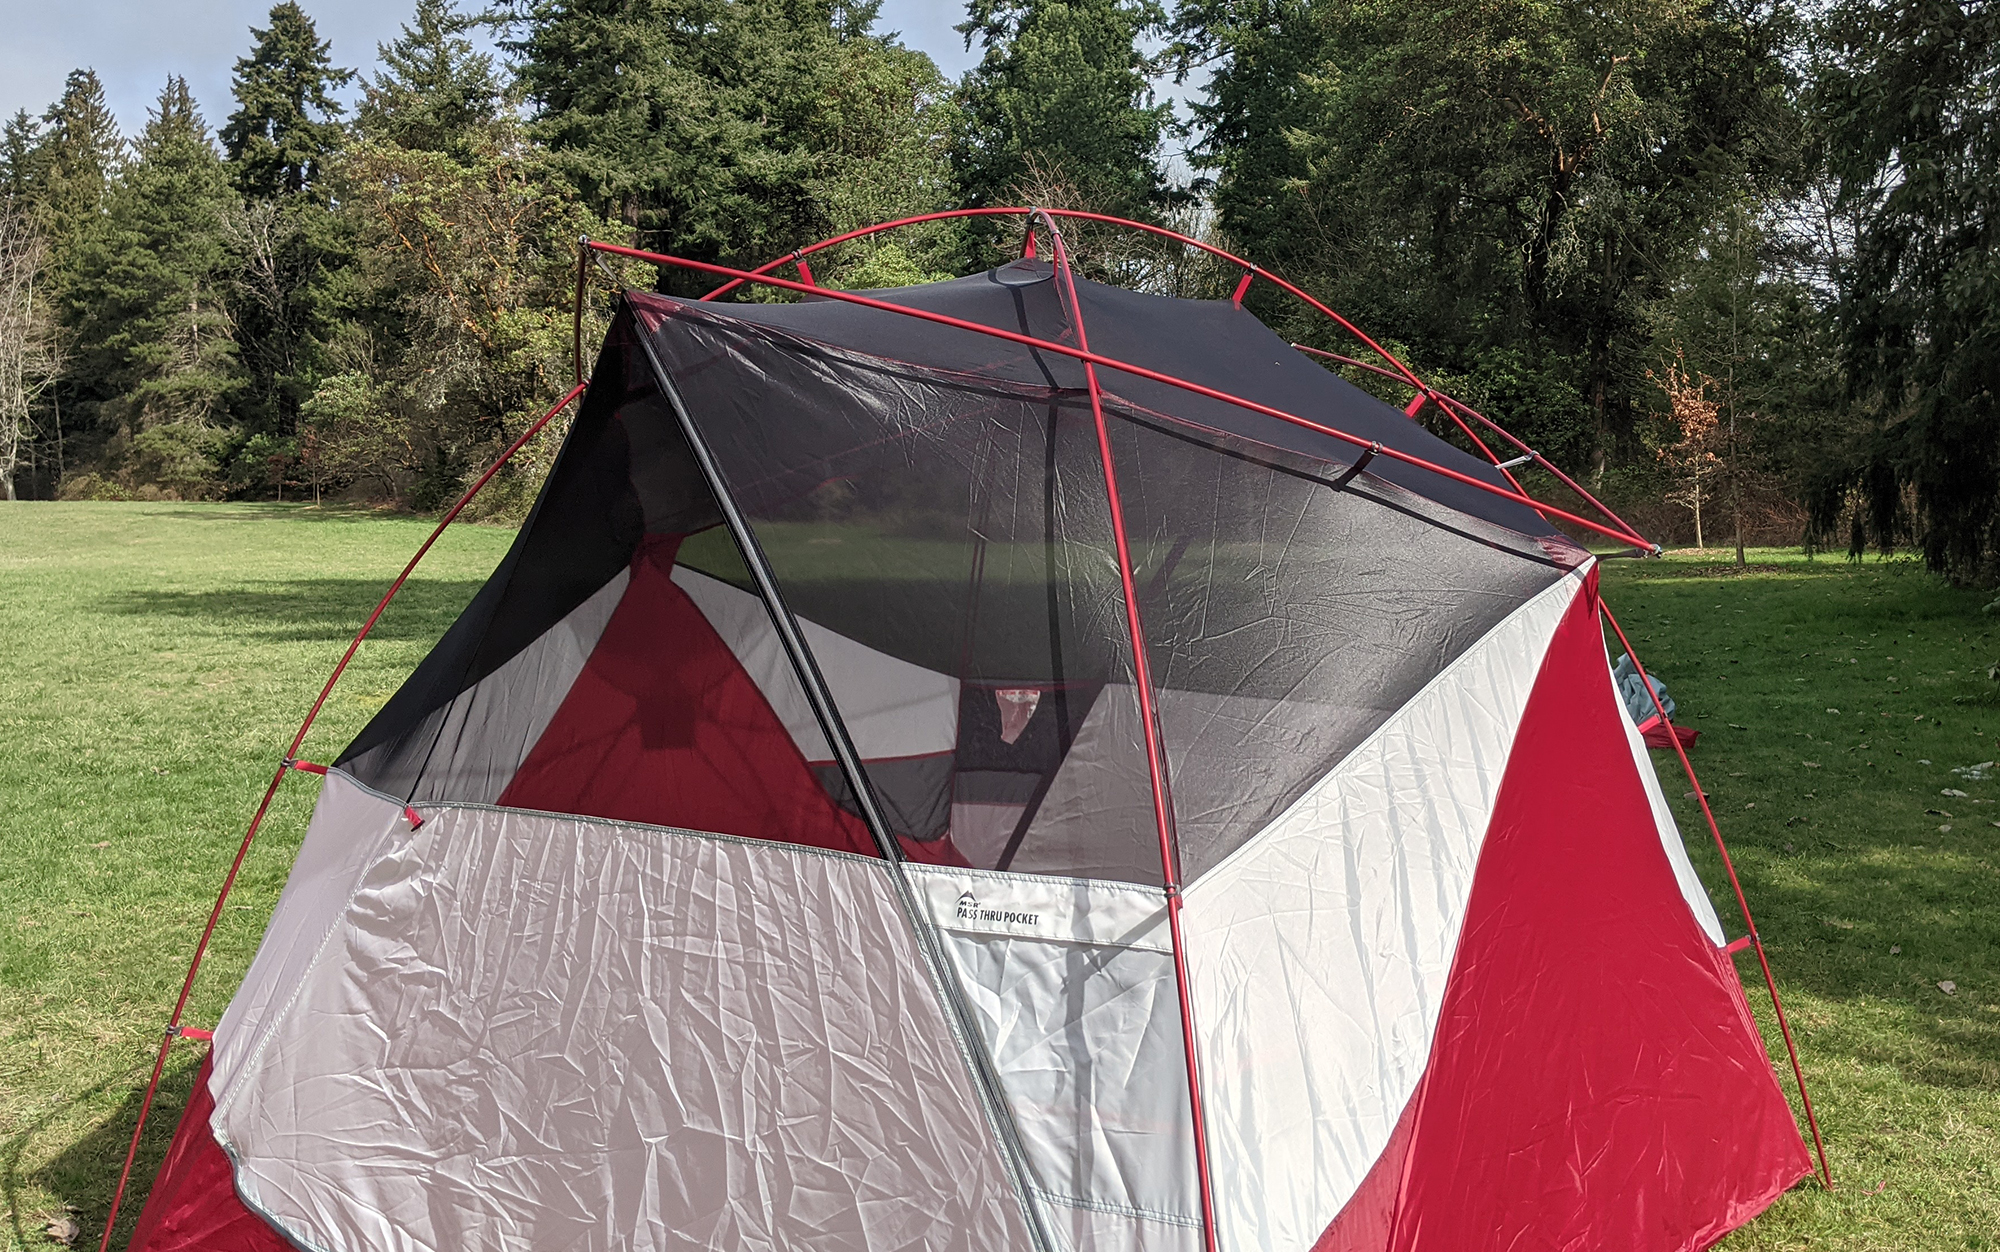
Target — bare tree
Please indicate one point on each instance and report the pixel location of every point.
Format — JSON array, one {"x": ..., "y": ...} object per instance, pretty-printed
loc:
[{"x": 30, "y": 355}]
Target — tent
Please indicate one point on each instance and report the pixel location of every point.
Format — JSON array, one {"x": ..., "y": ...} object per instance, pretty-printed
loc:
[{"x": 1010, "y": 763}]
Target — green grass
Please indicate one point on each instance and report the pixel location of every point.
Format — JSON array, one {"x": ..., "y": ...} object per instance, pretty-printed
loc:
[
  {"x": 154, "y": 659},
  {"x": 154, "y": 662}
]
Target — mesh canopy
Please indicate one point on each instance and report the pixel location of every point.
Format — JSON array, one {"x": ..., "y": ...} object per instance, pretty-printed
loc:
[{"x": 936, "y": 520}]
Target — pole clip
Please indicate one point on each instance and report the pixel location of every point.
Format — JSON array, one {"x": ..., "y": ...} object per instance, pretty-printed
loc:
[{"x": 1360, "y": 463}]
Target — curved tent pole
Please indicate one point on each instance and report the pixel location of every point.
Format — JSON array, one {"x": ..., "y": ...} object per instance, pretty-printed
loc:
[
  {"x": 1156, "y": 757},
  {"x": 290, "y": 762},
  {"x": 1742, "y": 901},
  {"x": 1625, "y": 537},
  {"x": 1454, "y": 407},
  {"x": 819, "y": 695},
  {"x": 1687, "y": 766}
]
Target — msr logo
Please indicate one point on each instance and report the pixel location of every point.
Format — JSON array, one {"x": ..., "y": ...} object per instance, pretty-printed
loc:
[{"x": 969, "y": 911}]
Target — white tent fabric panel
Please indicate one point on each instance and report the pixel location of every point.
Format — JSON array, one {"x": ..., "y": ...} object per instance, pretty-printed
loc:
[
  {"x": 523, "y": 1031},
  {"x": 891, "y": 708},
  {"x": 1692, "y": 890},
  {"x": 489, "y": 729},
  {"x": 1072, "y": 984},
  {"x": 1318, "y": 952},
  {"x": 351, "y": 828}
]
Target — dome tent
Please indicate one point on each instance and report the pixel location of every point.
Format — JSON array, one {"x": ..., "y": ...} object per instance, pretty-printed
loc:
[{"x": 1006, "y": 763}]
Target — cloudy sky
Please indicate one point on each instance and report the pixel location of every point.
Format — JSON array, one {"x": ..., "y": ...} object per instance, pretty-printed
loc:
[{"x": 134, "y": 44}]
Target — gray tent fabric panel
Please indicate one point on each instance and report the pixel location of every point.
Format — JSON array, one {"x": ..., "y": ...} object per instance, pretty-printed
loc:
[
  {"x": 541, "y": 1033},
  {"x": 1287, "y": 619},
  {"x": 477, "y": 741},
  {"x": 1072, "y": 985}
]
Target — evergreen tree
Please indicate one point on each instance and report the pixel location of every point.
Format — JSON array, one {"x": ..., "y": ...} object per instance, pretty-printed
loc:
[
  {"x": 1062, "y": 97},
  {"x": 701, "y": 123},
  {"x": 434, "y": 91},
  {"x": 155, "y": 358},
  {"x": 20, "y": 146},
  {"x": 74, "y": 158},
  {"x": 286, "y": 121}
]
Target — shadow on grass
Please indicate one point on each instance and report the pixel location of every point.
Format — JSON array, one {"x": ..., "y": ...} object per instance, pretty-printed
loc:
[
  {"x": 307, "y": 609},
  {"x": 84, "y": 1175}
]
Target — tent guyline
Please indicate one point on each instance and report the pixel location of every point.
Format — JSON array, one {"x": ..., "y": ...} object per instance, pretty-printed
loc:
[
  {"x": 839, "y": 892},
  {"x": 286, "y": 765},
  {"x": 1624, "y": 537},
  {"x": 1149, "y": 723}
]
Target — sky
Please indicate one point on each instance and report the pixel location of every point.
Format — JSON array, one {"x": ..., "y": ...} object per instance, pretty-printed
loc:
[{"x": 134, "y": 44}]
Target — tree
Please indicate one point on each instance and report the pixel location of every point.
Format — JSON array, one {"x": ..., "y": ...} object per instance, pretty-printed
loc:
[
  {"x": 718, "y": 129},
  {"x": 1695, "y": 459},
  {"x": 74, "y": 155},
  {"x": 1504, "y": 185},
  {"x": 1063, "y": 95},
  {"x": 287, "y": 121},
  {"x": 434, "y": 90},
  {"x": 155, "y": 347},
  {"x": 1905, "y": 92},
  {"x": 30, "y": 355}
]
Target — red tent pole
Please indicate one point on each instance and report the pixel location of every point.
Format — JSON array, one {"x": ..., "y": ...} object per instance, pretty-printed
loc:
[
  {"x": 1139, "y": 371},
  {"x": 1156, "y": 759},
  {"x": 1742, "y": 901},
  {"x": 1454, "y": 407},
  {"x": 174, "y": 1028}
]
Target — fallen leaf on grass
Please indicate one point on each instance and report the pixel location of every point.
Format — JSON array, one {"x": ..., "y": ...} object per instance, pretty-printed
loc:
[
  {"x": 1952, "y": 791},
  {"x": 1833, "y": 710},
  {"x": 104, "y": 844},
  {"x": 62, "y": 1230},
  {"x": 1895, "y": 949},
  {"x": 1936, "y": 813},
  {"x": 1947, "y": 986},
  {"x": 1810, "y": 764},
  {"x": 1945, "y": 829}
]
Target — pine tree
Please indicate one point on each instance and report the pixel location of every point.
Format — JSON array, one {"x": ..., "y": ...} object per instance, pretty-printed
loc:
[
  {"x": 435, "y": 90},
  {"x": 1062, "y": 97},
  {"x": 20, "y": 150},
  {"x": 711, "y": 127},
  {"x": 155, "y": 353},
  {"x": 74, "y": 159},
  {"x": 286, "y": 121}
]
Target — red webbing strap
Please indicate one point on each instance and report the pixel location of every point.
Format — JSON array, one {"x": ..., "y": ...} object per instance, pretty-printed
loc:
[
  {"x": 1138, "y": 371},
  {"x": 288, "y": 763},
  {"x": 1156, "y": 760},
  {"x": 1242, "y": 288},
  {"x": 805, "y": 271},
  {"x": 1742, "y": 901}
]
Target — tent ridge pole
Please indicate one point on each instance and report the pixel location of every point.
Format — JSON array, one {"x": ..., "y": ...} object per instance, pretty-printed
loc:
[
  {"x": 285, "y": 766},
  {"x": 1742, "y": 901},
  {"x": 819, "y": 696},
  {"x": 1156, "y": 763}
]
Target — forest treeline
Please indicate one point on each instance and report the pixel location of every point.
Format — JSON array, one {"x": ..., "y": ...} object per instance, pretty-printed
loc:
[{"x": 1732, "y": 263}]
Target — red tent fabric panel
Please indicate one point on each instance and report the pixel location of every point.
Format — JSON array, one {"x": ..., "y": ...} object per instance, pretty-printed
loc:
[
  {"x": 1596, "y": 1079},
  {"x": 193, "y": 1204},
  {"x": 1363, "y": 1226},
  {"x": 664, "y": 726}
]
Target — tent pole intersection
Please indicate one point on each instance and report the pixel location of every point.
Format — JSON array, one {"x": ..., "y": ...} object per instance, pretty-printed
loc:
[{"x": 1149, "y": 721}]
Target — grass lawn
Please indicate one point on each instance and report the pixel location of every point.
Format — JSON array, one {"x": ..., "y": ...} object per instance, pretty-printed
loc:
[{"x": 154, "y": 660}]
